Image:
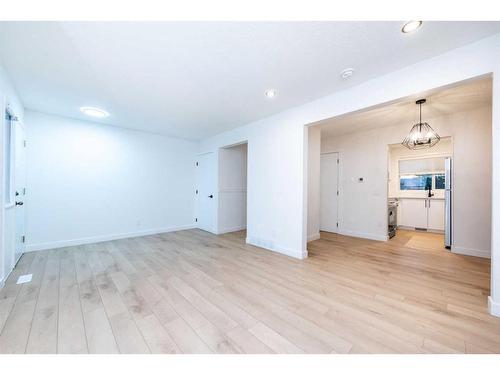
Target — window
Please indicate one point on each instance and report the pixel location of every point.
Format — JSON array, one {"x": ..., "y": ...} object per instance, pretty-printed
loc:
[
  {"x": 439, "y": 181},
  {"x": 414, "y": 182},
  {"x": 421, "y": 174}
]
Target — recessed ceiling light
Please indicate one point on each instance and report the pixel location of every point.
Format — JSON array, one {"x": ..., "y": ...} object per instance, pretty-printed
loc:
[
  {"x": 94, "y": 112},
  {"x": 271, "y": 93},
  {"x": 347, "y": 73},
  {"x": 410, "y": 26}
]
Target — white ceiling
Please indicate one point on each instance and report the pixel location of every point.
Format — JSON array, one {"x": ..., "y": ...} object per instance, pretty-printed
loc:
[
  {"x": 197, "y": 79},
  {"x": 462, "y": 97}
]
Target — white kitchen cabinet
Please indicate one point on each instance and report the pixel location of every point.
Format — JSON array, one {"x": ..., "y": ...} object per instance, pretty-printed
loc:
[
  {"x": 421, "y": 213},
  {"x": 435, "y": 218},
  {"x": 414, "y": 213}
]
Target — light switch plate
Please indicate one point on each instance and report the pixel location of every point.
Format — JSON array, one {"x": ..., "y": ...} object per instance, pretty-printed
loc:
[{"x": 25, "y": 278}]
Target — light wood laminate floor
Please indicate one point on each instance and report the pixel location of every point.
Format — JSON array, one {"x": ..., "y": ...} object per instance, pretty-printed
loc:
[{"x": 194, "y": 292}]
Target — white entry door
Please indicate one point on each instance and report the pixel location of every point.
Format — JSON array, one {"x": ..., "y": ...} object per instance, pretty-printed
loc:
[
  {"x": 19, "y": 188},
  {"x": 206, "y": 191},
  {"x": 329, "y": 198}
]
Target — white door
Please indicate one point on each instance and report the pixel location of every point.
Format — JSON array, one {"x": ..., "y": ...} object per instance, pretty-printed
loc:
[
  {"x": 206, "y": 190},
  {"x": 414, "y": 213},
  {"x": 329, "y": 198},
  {"x": 19, "y": 188},
  {"x": 436, "y": 214}
]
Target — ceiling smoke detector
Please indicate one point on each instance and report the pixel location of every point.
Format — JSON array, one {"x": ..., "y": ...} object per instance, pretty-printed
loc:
[
  {"x": 271, "y": 93},
  {"x": 347, "y": 73}
]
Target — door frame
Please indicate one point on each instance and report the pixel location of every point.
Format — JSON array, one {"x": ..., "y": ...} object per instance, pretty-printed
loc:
[
  {"x": 8, "y": 230},
  {"x": 23, "y": 193},
  {"x": 432, "y": 154},
  {"x": 219, "y": 190}
]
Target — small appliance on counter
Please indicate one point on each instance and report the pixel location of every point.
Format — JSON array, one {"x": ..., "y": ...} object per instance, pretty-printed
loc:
[{"x": 393, "y": 217}]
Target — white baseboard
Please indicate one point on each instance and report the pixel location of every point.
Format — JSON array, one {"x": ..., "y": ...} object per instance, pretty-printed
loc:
[
  {"x": 493, "y": 307},
  {"x": 269, "y": 245},
  {"x": 471, "y": 252},
  {"x": 313, "y": 237},
  {"x": 233, "y": 229},
  {"x": 2, "y": 282},
  {"x": 95, "y": 239},
  {"x": 368, "y": 236}
]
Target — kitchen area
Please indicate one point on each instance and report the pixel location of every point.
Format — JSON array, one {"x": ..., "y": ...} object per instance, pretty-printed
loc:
[
  {"x": 416, "y": 173},
  {"x": 419, "y": 189}
]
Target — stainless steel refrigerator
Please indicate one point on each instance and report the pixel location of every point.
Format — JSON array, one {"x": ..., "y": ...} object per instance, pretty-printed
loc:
[{"x": 448, "y": 186}]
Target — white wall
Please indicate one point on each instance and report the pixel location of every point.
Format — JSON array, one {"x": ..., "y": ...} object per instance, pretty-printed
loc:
[
  {"x": 89, "y": 182},
  {"x": 363, "y": 206},
  {"x": 277, "y": 159},
  {"x": 10, "y": 99},
  {"x": 232, "y": 191}
]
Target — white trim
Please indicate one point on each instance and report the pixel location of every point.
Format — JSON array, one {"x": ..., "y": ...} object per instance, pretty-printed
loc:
[
  {"x": 369, "y": 236},
  {"x": 95, "y": 239},
  {"x": 2, "y": 282},
  {"x": 471, "y": 252},
  {"x": 493, "y": 307},
  {"x": 313, "y": 237},
  {"x": 233, "y": 229},
  {"x": 269, "y": 245}
]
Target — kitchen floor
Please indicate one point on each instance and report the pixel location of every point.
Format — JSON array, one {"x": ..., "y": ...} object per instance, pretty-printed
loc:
[{"x": 419, "y": 240}]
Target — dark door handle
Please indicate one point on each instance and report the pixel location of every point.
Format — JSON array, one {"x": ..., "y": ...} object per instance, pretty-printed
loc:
[
  {"x": 210, "y": 196},
  {"x": 19, "y": 203}
]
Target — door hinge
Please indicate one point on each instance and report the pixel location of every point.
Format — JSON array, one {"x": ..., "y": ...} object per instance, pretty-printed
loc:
[
  {"x": 23, "y": 239},
  {"x": 337, "y": 224},
  {"x": 196, "y": 219},
  {"x": 196, "y": 191},
  {"x": 337, "y": 192},
  {"x": 196, "y": 163}
]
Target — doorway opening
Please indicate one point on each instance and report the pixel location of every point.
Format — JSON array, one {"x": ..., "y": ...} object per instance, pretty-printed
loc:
[
  {"x": 419, "y": 191},
  {"x": 375, "y": 170},
  {"x": 232, "y": 189}
]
